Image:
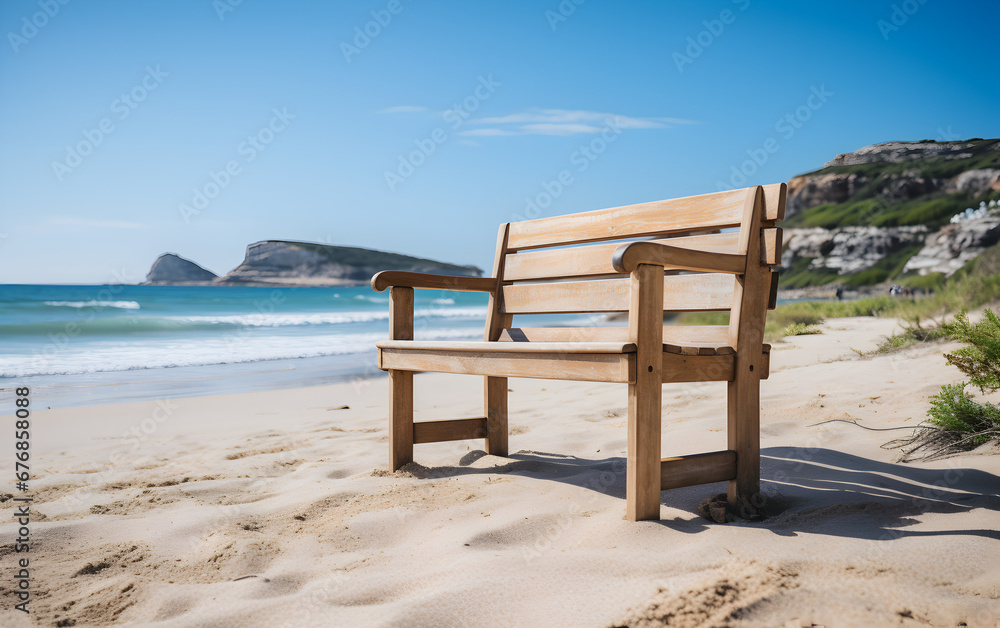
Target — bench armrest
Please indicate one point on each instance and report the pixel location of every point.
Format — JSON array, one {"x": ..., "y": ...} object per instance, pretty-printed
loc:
[
  {"x": 386, "y": 278},
  {"x": 628, "y": 256}
]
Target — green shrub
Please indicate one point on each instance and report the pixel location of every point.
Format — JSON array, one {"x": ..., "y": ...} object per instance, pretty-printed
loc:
[
  {"x": 954, "y": 410},
  {"x": 801, "y": 329},
  {"x": 980, "y": 361},
  {"x": 913, "y": 332},
  {"x": 956, "y": 421}
]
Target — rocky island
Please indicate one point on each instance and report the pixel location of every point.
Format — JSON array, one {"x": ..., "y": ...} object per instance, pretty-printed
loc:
[
  {"x": 172, "y": 269},
  {"x": 291, "y": 263}
]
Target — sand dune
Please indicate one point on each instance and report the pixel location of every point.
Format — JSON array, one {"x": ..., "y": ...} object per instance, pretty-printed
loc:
[{"x": 277, "y": 508}]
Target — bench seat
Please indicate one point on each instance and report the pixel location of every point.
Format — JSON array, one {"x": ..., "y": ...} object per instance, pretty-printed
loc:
[{"x": 580, "y": 361}]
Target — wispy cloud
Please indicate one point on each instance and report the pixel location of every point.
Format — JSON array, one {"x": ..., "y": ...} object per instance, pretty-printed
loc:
[
  {"x": 71, "y": 221},
  {"x": 402, "y": 109},
  {"x": 537, "y": 121}
]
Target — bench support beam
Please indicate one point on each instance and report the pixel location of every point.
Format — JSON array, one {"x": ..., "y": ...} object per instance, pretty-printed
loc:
[
  {"x": 448, "y": 429},
  {"x": 680, "y": 471}
]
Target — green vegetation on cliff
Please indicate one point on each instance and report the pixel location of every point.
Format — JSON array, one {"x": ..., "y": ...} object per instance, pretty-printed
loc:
[
  {"x": 872, "y": 205},
  {"x": 933, "y": 210}
]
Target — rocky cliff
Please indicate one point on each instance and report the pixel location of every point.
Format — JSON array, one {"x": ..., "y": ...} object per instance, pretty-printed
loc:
[
  {"x": 897, "y": 172},
  {"x": 172, "y": 269},
  {"x": 884, "y": 213},
  {"x": 849, "y": 249},
  {"x": 287, "y": 263},
  {"x": 955, "y": 245}
]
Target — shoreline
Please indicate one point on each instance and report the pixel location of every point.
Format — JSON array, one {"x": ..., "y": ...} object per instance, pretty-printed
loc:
[{"x": 138, "y": 385}]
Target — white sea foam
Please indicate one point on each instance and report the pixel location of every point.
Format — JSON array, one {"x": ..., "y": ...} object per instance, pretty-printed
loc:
[
  {"x": 324, "y": 318},
  {"x": 223, "y": 349},
  {"x": 125, "y": 305}
]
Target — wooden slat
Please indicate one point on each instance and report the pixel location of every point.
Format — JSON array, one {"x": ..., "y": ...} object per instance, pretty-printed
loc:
[
  {"x": 699, "y": 348},
  {"x": 508, "y": 347},
  {"x": 598, "y": 367},
  {"x": 774, "y": 201},
  {"x": 565, "y": 334},
  {"x": 595, "y": 259},
  {"x": 593, "y": 367},
  {"x": 697, "y": 368},
  {"x": 448, "y": 429},
  {"x": 676, "y": 334},
  {"x": 717, "y": 466},
  {"x": 708, "y": 211},
  {"x": 402, "y": 278},
  {"x": 770, "y": 246},
  {"x": 683, "y": 334},
  {"x": 645, "y": 330},
  {"x": 705, "y": 291}
]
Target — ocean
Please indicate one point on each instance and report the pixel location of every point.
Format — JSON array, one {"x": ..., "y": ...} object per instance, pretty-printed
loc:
[{"x": 80, "y": 345}]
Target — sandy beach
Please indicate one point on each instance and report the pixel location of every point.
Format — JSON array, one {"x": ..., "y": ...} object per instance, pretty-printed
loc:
[{"x": 277, "y": 508}]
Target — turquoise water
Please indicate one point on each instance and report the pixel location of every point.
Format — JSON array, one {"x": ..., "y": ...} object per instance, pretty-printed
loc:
[
  {"x": 67, "y": 330},
  {"x": 77, "y": 345}
]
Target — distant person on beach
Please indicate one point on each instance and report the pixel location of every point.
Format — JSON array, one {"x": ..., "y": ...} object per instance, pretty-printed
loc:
[{"x": 840, "y": 293}]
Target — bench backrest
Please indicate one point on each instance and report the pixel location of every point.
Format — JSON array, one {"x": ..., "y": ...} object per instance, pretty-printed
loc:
[{"x": 563, "y": 264}]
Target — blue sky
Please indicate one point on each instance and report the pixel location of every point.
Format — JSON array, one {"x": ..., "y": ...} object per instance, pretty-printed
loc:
[{"x": 128, "y": 129}]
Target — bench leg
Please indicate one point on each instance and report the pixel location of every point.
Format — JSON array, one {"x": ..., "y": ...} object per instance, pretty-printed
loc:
[
  {"x": 645, "y": 328},
  {"x": 495, "y": 397},
  {"x": 400, "y": 418},
  {"x": 642, "y": 477},
  {"x": 744, "y": 438}
]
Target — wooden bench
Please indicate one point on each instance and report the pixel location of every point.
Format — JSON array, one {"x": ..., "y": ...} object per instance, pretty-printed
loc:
[{"x": 714, "y": 252}]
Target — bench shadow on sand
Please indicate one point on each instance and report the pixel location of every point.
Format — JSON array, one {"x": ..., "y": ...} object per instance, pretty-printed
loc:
[{"x": 808, "y": 490}]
